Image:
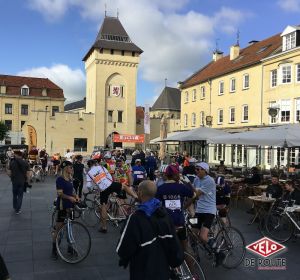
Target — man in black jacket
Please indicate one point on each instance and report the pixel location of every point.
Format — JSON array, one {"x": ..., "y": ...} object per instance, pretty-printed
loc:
[
  {"x": 275, "y": 190},
  {"x": 19, "y": 173},
  {"x": 149, "y": 239}
]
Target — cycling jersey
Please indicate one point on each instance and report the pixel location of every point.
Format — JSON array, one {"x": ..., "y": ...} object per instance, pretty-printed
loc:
[{"x": 122, "y": 174}]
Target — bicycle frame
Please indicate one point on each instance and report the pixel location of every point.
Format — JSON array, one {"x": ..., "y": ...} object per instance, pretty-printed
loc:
[{"x": 291, "y": 218}]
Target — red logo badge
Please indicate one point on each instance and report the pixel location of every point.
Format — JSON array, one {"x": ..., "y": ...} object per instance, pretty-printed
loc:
[{"x": 265, "y": 247}]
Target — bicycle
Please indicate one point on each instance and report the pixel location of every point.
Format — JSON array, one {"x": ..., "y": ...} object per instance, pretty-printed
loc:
[
  {"x": 226, "y": 240},
  {"x": 38, "y": 173},
  {"x": 73, "y": 240},
  {"x": 282, "y": 223},
  {"x": 189, "y": 269}
]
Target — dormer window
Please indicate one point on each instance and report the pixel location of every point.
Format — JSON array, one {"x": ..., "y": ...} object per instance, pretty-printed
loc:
[
  {"x": 290, "y": 41},
  {"x": 44, "y": 92},
  {"x": 24, "y": 90}
]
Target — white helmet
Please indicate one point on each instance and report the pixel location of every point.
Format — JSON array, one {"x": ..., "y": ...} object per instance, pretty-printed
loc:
[
  {"x": 107, "y": 155},
  {"x": 163, "y": 168}
]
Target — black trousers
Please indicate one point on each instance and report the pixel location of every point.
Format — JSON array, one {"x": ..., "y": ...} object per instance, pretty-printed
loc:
[{"x": 78, "y": 184}]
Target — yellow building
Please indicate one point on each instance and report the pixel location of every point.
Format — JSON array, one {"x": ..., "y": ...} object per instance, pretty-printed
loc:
[
  {"x": 235, "y": 92},
  {"x": 110, "y": 104},
  {"x": 24, "y": 97}
]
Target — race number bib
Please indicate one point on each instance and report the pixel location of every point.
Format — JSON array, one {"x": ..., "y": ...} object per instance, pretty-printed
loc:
[
  {"x": 100, "y": 176},
  {"x": 174, "y": 204},
  {"x": 140, "y": 176}
]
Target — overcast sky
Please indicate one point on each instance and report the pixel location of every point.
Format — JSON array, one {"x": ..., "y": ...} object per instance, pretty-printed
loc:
[{"x": 48, "y": 38}]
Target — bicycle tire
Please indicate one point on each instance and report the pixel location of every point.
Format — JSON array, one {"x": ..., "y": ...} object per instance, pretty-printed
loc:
[
  {"x": 228, "y": 239},
  {"x": 191, "y": 269},
  {"x": 279, "y": 227},
  {"x": 77, "y": 253}
]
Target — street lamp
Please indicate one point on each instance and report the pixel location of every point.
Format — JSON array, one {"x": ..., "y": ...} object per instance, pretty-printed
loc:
[
  {"x": 46, "y": 110},
  {"x": 209, "y": 120},
  {"x": 273, "y": 111}
]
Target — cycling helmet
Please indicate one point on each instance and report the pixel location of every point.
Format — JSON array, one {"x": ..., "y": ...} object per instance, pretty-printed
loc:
[
  {"x": 65, "y": 164},
  {"x": 163, "y": 168},
  {"x": 107, "y": 155}
]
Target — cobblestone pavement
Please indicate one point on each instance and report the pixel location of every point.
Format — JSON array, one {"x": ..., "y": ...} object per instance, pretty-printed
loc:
[{"x": 25, "y": 244}]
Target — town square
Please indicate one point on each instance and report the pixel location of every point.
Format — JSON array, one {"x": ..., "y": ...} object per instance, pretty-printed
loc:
[{"x": 149, "y": 139}]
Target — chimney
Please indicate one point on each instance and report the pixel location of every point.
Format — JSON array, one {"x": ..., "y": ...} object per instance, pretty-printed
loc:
[
  {"x": 217, "y": 55},
  {"x": 234, "y": 52}
]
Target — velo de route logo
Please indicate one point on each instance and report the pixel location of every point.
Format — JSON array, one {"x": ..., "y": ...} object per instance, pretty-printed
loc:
[{"x": 264, "y": 248}]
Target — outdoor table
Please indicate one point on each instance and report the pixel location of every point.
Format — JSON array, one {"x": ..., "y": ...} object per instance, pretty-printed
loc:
[{"x": 259, "y": 203}]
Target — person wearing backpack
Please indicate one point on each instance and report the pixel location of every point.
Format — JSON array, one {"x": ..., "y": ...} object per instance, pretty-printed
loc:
[{"x": 149, "y": 244}]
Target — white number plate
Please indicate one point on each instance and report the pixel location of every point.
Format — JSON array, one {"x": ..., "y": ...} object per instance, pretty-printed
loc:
[{"x": 173, "y": 204}]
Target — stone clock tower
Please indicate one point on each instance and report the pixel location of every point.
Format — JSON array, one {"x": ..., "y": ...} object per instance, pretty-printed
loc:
[{"x": 111, "y": 75}]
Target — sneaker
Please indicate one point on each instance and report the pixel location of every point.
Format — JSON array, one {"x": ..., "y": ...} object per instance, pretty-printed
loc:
[{"x": 18, "y": 212}]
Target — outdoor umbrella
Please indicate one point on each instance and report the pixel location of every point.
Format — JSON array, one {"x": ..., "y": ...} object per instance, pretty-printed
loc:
[
  {"x": 197, "y": 134},
  {"x": 278, "y": 136}
]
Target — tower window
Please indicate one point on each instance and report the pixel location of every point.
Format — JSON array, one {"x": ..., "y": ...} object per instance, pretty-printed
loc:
[
  {"x": 111, "y": 51},
  {"x": 123, "y": 53},
  {"x": 110, "y": 116},
  {"x": 133, "y": 53},
  {"x": 101, "y": 50},
  {"x": 120, "y": 116}
]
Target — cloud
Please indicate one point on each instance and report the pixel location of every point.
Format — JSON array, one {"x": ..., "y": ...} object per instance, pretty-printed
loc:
[
  {"x": 176, "y": 42},
  {"x": 289, "y": 5},
  {"x": 72, "y": 81}
]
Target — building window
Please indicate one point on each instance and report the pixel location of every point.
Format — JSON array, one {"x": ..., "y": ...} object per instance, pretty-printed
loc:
[
  {"x": 273, "y": 104},
  {"x": 297, "y": 110},
  {"x": 24, "y": 109},
  {"x": 193, "y": 119},
  {"x": 221, "y": 87},
  {"x": 246, "y": 81},
  {"x": 22, "y": 123},
  {"x": 286, "y": 72},
  {"x": 194, "y": 95},
  {"x": 220, "y": 116},
  {"x": 290, "y": 41},
  {"x": 202, "y": 118},
  {"x": 8, "y": 109},
  {"x": 245, "y": 116},
  {"x": 232, "y": 85},
  {"x": 120, "y": 116},
  {"x": 8, "y": 124},
  {"x": 55, "y": 109},
  {"x": 111, "y": 51},
  {"x": 23, "y": 141},
  {"x": 202, "y": 92},
  {"x": 274, "y": 78},
  {"x": 133, "y": 53},
  {"x": 298, "y": 73},
  {"x": 185, "y": 119},
  {"x": 80, "y": 144},
  {"x": 231, "y": 115},
  {"x": 123, "y": 53},
  {"x": 186, "y": 97},
  {"x": 109, "y": 116},
  {"x": 285, "y": 110},
  {"x": 7, "y": 141},
  {"x": 24, "y": 91}
]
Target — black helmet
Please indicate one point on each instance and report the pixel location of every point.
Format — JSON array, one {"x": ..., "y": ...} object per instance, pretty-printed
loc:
[{"x": 65, "y": 163}]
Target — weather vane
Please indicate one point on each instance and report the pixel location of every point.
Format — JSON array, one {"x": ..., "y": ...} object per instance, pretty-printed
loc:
[{"x": 238, "y": 37}]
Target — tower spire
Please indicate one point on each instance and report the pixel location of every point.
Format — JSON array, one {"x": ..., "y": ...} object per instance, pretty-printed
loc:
[
  {"x": 238, "y": 37},
  {"x": 105, "y": 9},
  {"x": 117, "y": 12}
]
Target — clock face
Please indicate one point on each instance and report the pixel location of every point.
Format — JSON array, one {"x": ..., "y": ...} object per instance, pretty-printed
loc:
[{"x": 116, "y": 91}]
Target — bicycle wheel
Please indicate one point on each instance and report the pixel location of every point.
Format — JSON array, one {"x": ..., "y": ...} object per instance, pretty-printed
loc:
[
  {"x": 279, "y": 227},
  {"x": 73, "y": 245},
  {"x": 231, "y": 242},
  {"x": 191, "y": 269},
  {"x": 89, "y": 217}
]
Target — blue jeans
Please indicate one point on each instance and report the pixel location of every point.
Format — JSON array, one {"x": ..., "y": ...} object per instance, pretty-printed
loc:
[{"x": 18, "y": 190}]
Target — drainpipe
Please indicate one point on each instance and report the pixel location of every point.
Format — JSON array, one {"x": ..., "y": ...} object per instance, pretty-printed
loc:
[
  {"x": 209, "y": 82},
  {"x": 262, "y": 95}
]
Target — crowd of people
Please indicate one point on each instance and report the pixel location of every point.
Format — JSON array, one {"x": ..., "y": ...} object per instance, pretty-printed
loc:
[{"x": 164, "y": 192}]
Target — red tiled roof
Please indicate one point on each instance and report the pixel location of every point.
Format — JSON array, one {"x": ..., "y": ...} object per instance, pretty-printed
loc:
[
  {"x": 248, "y": 56},
  {"x": 139, "y": 113},
  {"x": 36, "y": 85}
]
